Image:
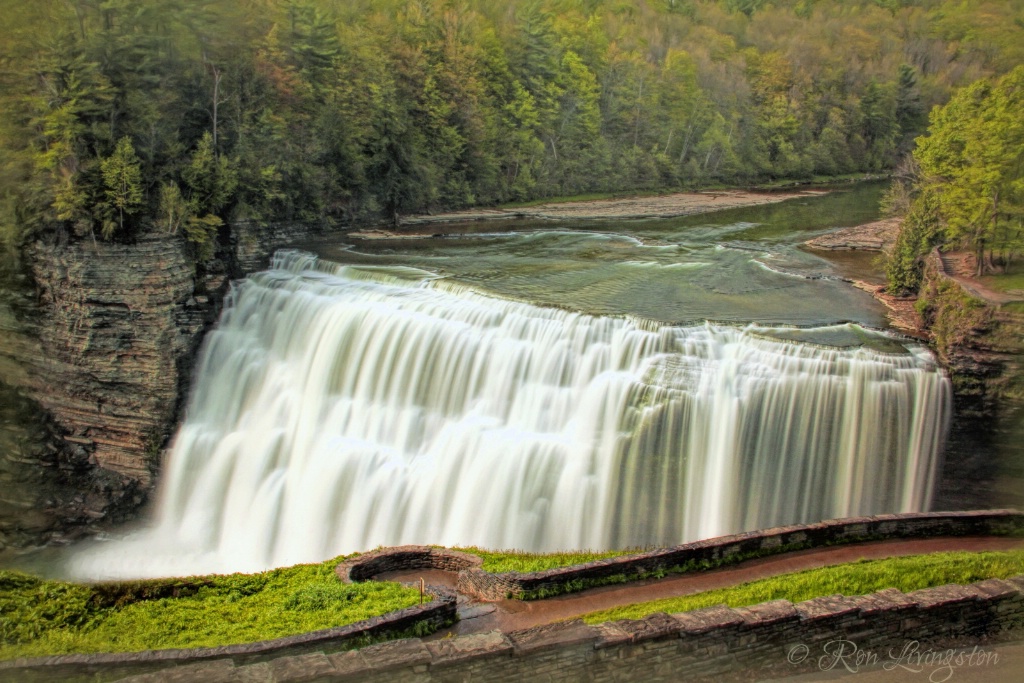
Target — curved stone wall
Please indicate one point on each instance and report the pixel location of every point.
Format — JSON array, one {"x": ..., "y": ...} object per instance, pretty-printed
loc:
[
  {"x": 483, "y": 585},
  {"x": 716, "y": 639},
  {"x": 405, "y": 557},
  {"x": 730, "y": 549}
]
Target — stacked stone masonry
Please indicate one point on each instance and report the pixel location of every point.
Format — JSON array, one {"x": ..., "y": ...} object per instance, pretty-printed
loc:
[
  {"x": 406, "y": 557},
  {"x": 716, "y": 642},
  {"x": 773, "y": 639},
  {"x": 486, "y": 586}
]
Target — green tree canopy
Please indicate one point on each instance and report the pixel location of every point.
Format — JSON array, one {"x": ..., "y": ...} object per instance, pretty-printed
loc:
[
  {"x": 318, "y": 110},
  {"x": 972, "y": 163}
]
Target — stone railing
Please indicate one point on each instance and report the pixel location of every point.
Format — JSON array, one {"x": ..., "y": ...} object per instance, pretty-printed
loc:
[
  {"x": 717, "y": 644},
  {"x": 713, "y": 552},
  {"x": 701, "y": 643},
  {"x": 730, "y": 549},
  {"x": 482, "y": 585}
]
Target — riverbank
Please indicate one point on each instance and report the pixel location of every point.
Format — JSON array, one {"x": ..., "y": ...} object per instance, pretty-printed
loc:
[
  {"x": 974, "y": 326},
  {"x": 879, "y": 237},
  {"x": 618, "y": 208},
  {"x": 876, "y": 237}
]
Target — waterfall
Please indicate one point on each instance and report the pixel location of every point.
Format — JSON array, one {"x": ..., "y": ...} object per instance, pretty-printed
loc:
[{"x": 339, "y": 408}]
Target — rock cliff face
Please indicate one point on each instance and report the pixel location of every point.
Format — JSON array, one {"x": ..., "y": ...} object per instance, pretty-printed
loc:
[
  {"x": 119, "y": 323},
  {"x": 982, "y": 346},
  {"x": 101, "y": 374}
]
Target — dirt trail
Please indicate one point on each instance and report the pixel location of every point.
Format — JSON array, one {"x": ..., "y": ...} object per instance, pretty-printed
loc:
[
  {"x": 960, "y": 267},
  {"x": 513, "y": 615}
]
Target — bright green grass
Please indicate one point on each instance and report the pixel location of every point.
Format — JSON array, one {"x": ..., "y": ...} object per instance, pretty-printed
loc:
[
  {"x": 858, "y": 578},
  {"x": 40, "y": 617},
  {"x": 498, "y": 561}
]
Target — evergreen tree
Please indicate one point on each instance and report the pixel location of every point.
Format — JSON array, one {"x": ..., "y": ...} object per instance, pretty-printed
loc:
[{"x": 122, "y": 179}]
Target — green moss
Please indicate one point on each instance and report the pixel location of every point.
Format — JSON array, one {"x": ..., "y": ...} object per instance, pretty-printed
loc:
[
  {"x": 951, "y": 314},
  {"x": 1016, "y": 307},
  {"x": 499, "y": 561},
  {"x": 50, "y": 617},
  {"x": 857, "y": 578}
]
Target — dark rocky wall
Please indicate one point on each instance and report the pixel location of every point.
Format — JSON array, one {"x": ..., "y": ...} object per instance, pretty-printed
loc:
[
  {"x": 100, "y": 372},
  {"x": 118, "y": 325},
  {"x": 982, "y": 348}
]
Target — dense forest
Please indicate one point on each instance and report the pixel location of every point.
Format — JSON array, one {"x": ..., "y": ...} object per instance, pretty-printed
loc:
[
  {"x": 121, "y": 116},
  {"x": 963, "y": 186}
]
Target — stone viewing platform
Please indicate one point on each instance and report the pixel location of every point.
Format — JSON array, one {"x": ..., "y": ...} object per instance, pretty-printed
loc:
[
  {"x": 714, "y": 552},
  {"x": 771, "y": 639}
]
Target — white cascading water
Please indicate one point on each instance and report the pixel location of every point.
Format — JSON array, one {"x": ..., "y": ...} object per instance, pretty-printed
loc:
[{"x": 337, "y": 409}]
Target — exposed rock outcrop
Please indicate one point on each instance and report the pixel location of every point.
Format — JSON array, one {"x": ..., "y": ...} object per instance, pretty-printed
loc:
[
  {"x": 876, "y": 236},
  {"x": 119, "y": 323},
  {"x": 980, "y": 343},
  {"x": 103, "y": 370}
]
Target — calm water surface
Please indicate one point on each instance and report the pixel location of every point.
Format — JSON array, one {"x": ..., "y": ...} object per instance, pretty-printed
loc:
[{"x": 736, "y": 266}]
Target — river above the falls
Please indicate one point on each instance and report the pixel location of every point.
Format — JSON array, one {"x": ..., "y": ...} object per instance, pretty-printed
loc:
[{"x": 733, "y": 266}]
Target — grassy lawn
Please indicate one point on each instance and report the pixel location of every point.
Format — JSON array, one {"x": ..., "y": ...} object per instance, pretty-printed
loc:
[
  {"x": 498, "y": 561},
  {"x": 858, "y": 578},
  {"x": 40, "y": 617}
]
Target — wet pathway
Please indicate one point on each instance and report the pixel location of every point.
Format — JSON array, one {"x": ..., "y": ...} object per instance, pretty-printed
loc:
[{"x": 513, "y": 615}]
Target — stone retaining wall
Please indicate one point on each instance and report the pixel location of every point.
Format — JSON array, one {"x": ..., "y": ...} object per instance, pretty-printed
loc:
[
  {"x": 729, "y": 549},
  {"x": 773, "y": 639},
  {"x": 429, "y": 617},
  {"x": 706, "y": 643}
]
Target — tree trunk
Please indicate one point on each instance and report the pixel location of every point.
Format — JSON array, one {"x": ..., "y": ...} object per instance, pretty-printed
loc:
[
  {"x": 636, "y": 118},
  {"x": 689, "y": 132},
  {"x": 216, "y": 101}
]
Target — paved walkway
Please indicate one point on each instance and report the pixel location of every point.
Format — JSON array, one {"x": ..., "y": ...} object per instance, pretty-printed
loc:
[{"x": 513, "y": 615}]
